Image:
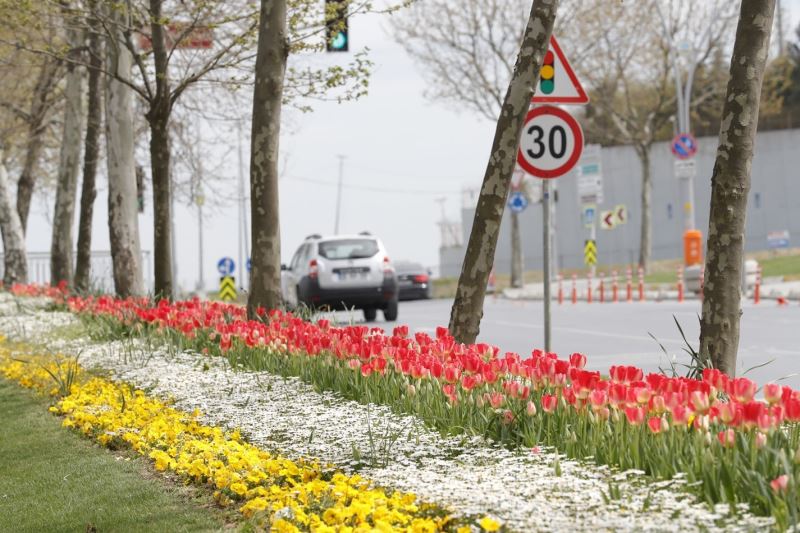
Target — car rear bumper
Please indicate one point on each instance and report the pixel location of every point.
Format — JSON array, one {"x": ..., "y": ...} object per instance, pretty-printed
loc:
[
  {"x": 311, "y": 294},
  {"x": 414, "y": 292}
]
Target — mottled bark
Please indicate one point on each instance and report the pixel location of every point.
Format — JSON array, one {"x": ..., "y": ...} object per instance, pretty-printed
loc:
[
  {"x": 40, "y": 105},
  {"x": 517, "y": 263},
  {"x": 15, "y": 263},
  {"x": 91, "y": 145},
  {"x": 730, "y": 184},
  {"x": 69, "y": 160},
  {"x": 123, "y": 223},
  {"x": 646, "y": 233},
  {"x": 467, "y": 311},
  {"x": 158, "y": 119},
  {"x": 273, "y": 50}
]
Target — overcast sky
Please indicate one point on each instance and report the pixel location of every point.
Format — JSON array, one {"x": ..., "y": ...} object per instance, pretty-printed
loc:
[{"x": 402, "y": 153}]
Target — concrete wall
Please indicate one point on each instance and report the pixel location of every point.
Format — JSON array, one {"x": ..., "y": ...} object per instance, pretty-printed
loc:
[{"x": 773, "y": 205}]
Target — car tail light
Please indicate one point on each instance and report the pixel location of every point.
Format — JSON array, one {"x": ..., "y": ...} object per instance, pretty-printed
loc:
[
  {"x": 313, "y": 269},
  {"x": 387, "y": 267},
  {"x": 421, "y": 278}
]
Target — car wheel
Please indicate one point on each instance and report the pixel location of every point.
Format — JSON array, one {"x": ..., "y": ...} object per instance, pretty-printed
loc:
[
  {"x": 390, "y": 313},
  {"x": 370, "y": 314}
]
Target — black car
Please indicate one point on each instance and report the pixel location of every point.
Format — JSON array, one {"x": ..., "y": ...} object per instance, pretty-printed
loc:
[{"x": 413, "y": 280}]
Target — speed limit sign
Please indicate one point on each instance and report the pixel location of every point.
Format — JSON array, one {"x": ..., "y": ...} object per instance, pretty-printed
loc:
[{"x": 551, "y": 142}]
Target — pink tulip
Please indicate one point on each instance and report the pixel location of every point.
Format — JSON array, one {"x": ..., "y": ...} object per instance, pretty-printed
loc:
[
  {"x": 635, "y": 415},
  {"x": 531, "y": 409},
  {"x": 780, "y": 483},
  {"x": 727, "y": 438},
  {"x": 772, "y": 393},
  {"x": 549, "y": 403},
  {"x": 742, "y": 389}
]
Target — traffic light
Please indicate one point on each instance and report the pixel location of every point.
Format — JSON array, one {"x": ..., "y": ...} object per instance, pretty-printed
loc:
[
  {"x": 547, "y": 81},
  {"x": 336, "y": 36}
]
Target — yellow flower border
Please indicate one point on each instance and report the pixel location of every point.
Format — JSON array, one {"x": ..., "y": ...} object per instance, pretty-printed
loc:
[{"x": 272, "y": 491}]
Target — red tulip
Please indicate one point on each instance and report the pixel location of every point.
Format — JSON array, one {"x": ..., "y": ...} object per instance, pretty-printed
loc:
[
  {"x": 635, "y": 415},
  {"x": 549, "y": 403},
  {"x": 654, "y": 423},
  {"x": 598, "y": 399},
  {"x": 742, "y": 389},
  {"x": 578, "y": 360},
  {"x": 772, "y": 393},
  {"x": 727, "y": 438},
  {"x": 780, "y": 483}
]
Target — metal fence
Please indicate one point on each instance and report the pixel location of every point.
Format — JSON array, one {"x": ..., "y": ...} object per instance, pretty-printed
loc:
[{"x": 102, "y": 272}]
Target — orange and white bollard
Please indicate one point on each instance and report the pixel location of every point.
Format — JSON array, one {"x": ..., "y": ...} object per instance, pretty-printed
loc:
[
  {"x": 614, "y": 287},
  {"x": 629, "y": 285},
  {"x": 560, "y": 289},
  {"x": 602, "y": 288},
  {"x": 589, "y": 288},
  {"x": 680, "y": 284},
  {"x": 574, "y": 288},
  {"x": 641, "y": 284},
  {"x": 757, "y": 288}
]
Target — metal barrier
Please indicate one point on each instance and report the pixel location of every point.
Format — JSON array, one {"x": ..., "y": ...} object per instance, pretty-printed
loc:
[{"x": 102, "y": 270}]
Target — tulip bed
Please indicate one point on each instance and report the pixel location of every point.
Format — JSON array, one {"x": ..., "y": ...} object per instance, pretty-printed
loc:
[
  {"x": 273, "y": 492},
  {"x": 730, "y": 446}
]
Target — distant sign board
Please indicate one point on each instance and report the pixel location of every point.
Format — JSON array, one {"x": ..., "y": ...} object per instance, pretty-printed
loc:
[
  {"x": 589, "y": 214},
  {"x": 517, "y": 202},
  {"x": 778, "y": 239},
  {"x": 684, "y": 146},
  {"x": 685, "y": 168},
  {"x": 590, "y": 176}
]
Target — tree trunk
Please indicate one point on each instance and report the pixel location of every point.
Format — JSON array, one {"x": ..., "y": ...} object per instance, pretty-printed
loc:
[
  {"x": 646, "y": 234},
  {"x": 15, "y": 263},
  {"x": 40, "y": 104},
  {"x": 88, "y": 189},
  {"x": 467, "y": 311},
  {"x": 273, "y": 50},
  {"x": 123, "y": 223},
  {"x": 158, "y": 118},
  {"x": 730, "y": 184},
  {"x": 69, "y": 161},
  {"x": 517, "y": 263}
]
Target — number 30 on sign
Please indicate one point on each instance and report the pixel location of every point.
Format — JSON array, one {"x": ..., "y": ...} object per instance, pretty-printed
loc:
[{"x": 551, "y": 142}]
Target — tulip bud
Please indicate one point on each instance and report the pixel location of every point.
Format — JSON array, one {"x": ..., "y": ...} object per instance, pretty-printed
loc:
[
  {"x": 411, "y": 389},
  {"x": 761, "y": 440},
  {"x": 797, "y": 457},
  {"x": 531, "y": 409}
]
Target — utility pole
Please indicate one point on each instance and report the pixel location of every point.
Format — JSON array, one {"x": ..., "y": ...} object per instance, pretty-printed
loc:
[
  {"x": 339, "y": 193},
  {"x": 242, "y": 222},
  {"x": 199, "y": 199}
]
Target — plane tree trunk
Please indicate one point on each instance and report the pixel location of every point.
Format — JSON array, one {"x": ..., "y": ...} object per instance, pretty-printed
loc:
[
  {"x": 91, "y": 145},
  {"x": 646, "y": 233},
  {"x": 730, "y": 184},
  {"x": 467, "y": 310},
  {"x": 517, "y": 262},
  {"x": 15, "y": 264},
  {"x": 123, "y": 223},
  {"x": 272, "y": 53},
  {"x": 69, "y": 160}
]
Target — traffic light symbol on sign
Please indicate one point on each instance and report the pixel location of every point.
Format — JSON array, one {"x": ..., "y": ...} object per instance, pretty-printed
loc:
[
  {"x": 336, "y": 28},
  {"x": 227, "y": 288},
  {"x": 547, "y": 76},
  {"x": 590, "y": 252}
]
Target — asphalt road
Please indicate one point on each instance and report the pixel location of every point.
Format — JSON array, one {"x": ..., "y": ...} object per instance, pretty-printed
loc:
[{"x": 613, "y": 334}]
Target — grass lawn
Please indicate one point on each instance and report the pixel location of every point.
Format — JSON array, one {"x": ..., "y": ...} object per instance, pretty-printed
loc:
[{"x": 52, "y": 479}]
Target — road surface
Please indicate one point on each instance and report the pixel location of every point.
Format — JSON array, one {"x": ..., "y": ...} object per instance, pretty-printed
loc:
[{"x": 613, "y": 334}]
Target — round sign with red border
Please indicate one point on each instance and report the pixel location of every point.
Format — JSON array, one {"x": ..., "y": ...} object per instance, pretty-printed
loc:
[
  {"x": 551, "y": 142},
  {"x": 684, "y": 146}
]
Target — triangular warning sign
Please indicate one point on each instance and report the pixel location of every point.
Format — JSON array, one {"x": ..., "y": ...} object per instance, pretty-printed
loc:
[{"x": 558, "y": 83}]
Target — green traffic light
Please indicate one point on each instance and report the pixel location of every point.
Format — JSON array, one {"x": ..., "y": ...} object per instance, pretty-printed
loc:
[
  {"x": 340, "y": 41},
  {"x": 547, "y": 86}
]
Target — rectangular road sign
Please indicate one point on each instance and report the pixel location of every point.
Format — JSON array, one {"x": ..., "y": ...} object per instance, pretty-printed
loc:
[
  {"x": 685, "y": 169},
  {"x": 590, "y": 175},
  {"x": 589, "y": 214},
  {"x": 778, "y": 239}
]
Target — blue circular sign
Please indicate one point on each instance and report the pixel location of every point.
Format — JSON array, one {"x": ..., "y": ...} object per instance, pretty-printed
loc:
[
  {"x": 226, "y": 266},
  {"x": 517, "y": 202}
]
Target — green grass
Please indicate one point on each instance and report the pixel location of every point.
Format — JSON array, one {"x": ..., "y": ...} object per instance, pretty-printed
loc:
[
  {"x": 52, "y": 479},
  {"x": 787, "y": 266}
]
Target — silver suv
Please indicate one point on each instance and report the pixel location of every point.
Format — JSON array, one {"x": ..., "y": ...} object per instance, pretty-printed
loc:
[{"x": 342, "y": 272}]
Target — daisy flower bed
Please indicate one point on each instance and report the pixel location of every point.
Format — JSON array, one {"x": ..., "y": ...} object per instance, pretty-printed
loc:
[{"x": 463, "y": 427}]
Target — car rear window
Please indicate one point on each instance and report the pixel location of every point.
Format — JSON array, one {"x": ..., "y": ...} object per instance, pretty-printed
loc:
[{"x": 348, "y": 248}]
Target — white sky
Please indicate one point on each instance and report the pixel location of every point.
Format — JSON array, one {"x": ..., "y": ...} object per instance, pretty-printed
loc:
[{"x": 394, "y": 139}]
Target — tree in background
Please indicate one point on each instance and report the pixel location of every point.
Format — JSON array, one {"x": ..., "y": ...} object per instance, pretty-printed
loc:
[
  {"x": 466, "y": 50},
  {"x": 91, "y": 148},
  {"x": 70, "y": 153},
  {"x": 730, "y": 184},
  {"x": 467, "y": 311},
  {"x": 632, "y": 77}
]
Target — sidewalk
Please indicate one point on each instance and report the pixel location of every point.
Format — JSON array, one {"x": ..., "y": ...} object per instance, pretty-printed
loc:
[{"x": 772, "y": 290}]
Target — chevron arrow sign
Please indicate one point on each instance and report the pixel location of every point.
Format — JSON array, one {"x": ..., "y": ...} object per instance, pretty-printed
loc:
[{"x": 227, "y": 288}]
